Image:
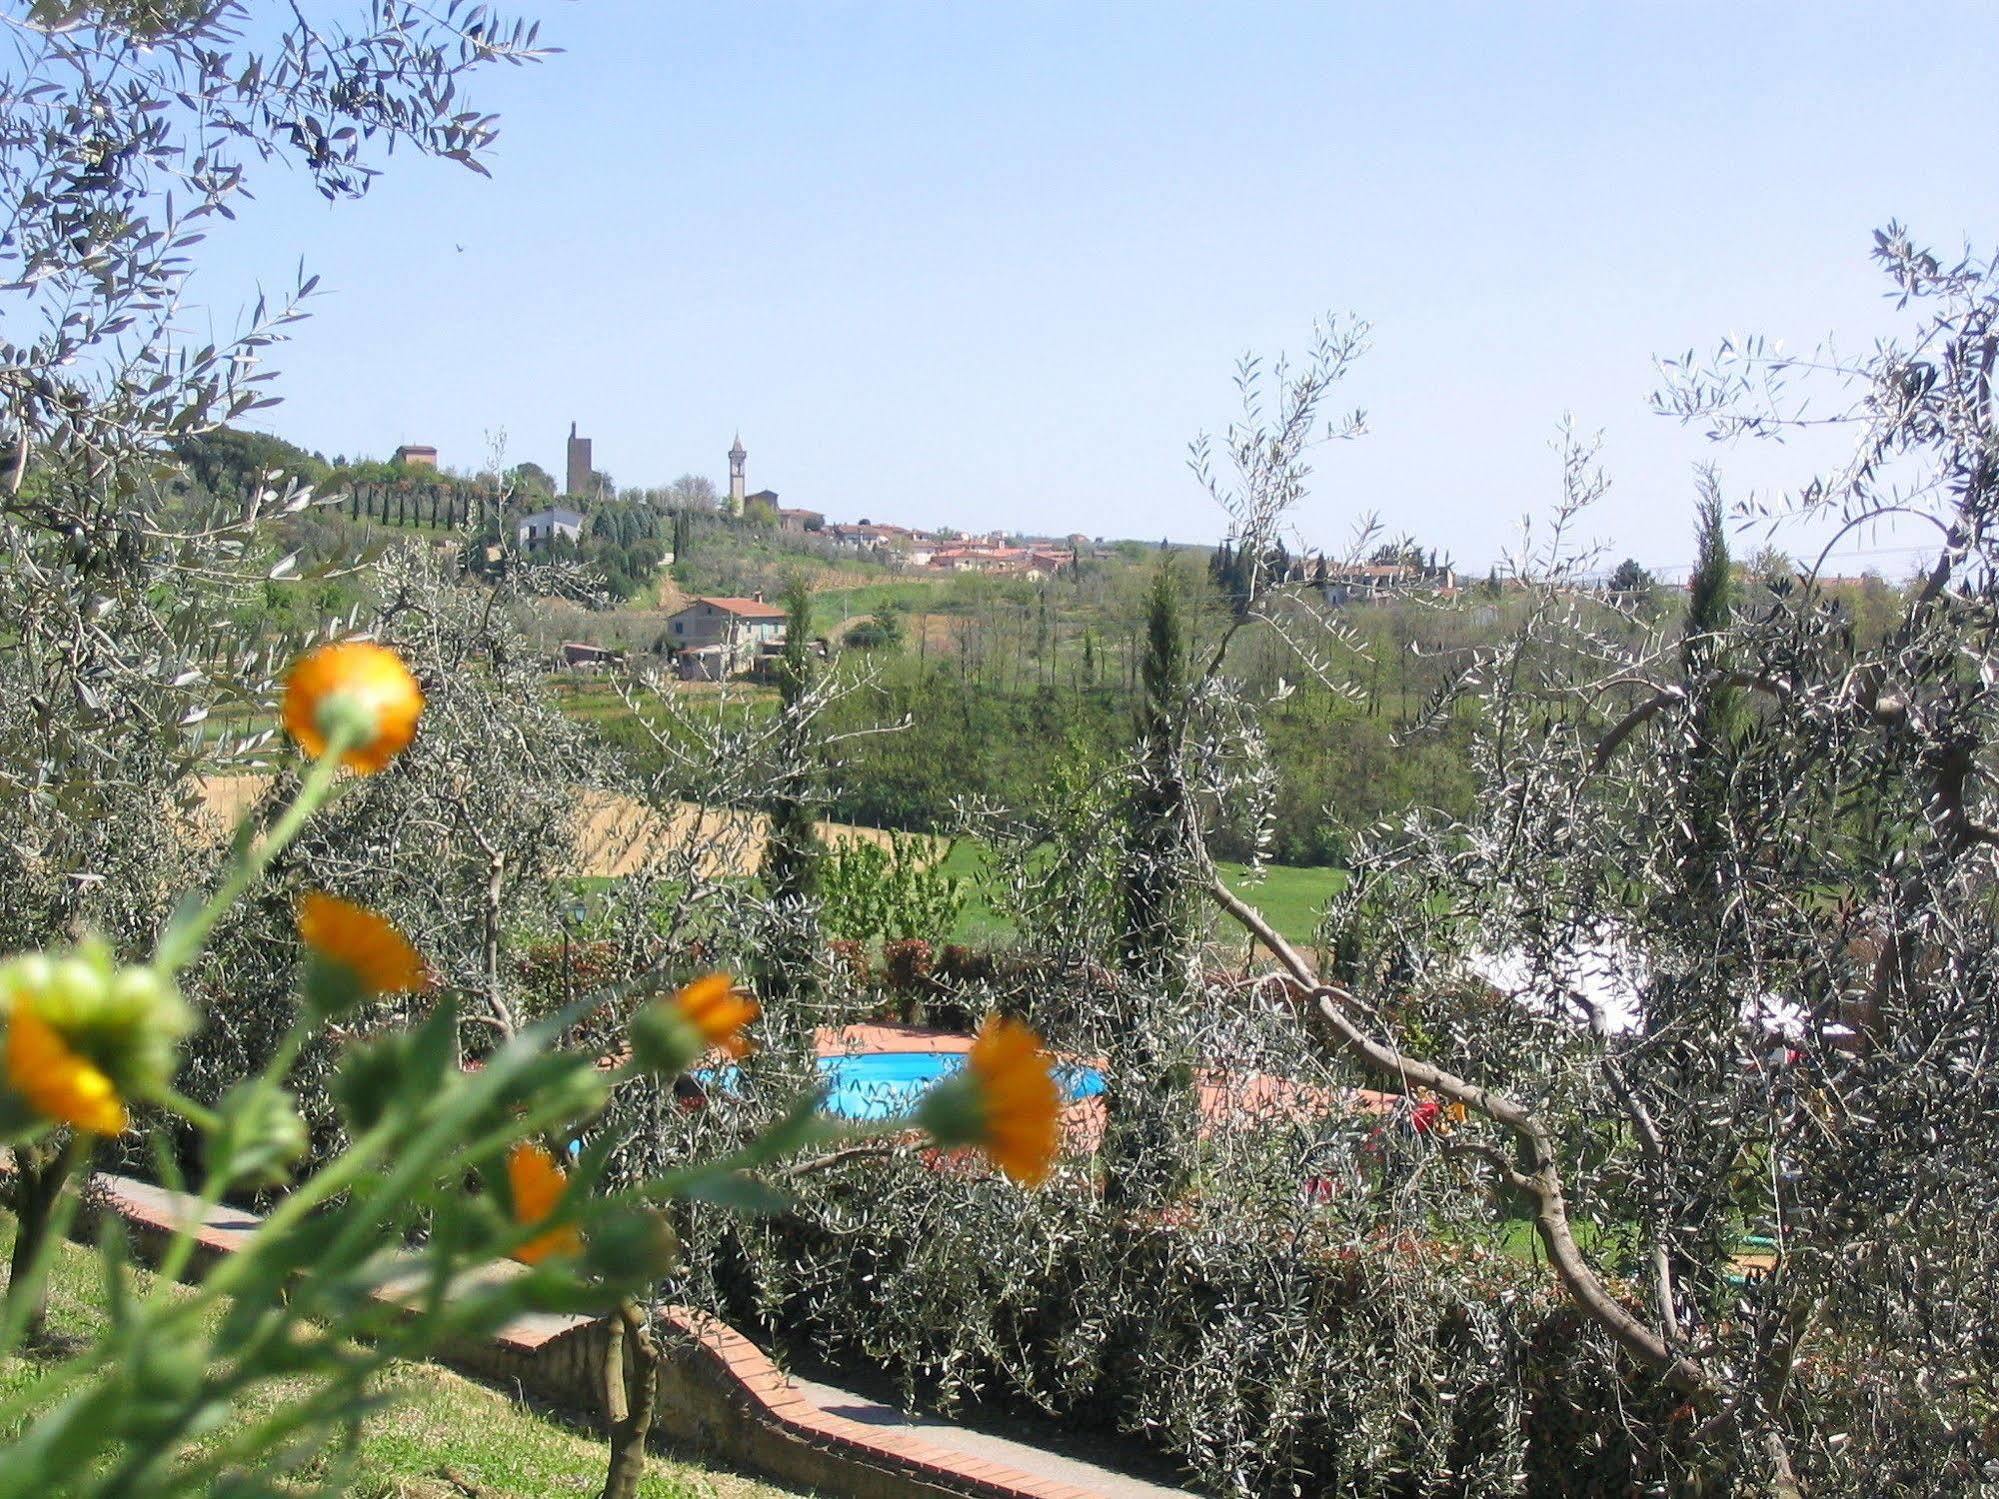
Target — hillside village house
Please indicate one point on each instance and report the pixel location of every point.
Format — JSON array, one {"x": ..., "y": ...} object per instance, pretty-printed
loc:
[
  {"x": 1358, "y": 582},
  {"x": 543, "y": 526},
  {"x": 579, "y": 655},
  {"x": 714, "y": 638},
  {"x": 1032, "y": 563}
]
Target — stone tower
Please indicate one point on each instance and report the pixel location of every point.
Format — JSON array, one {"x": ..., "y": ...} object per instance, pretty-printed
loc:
[
  {"x": 737, "y": 484},
  {"x": 576, "y": 480}
]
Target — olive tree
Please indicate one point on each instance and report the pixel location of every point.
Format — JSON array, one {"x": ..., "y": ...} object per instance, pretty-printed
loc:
[
  {"x": 1709, "y": 969},
  {"x": 128, "y": 130}
]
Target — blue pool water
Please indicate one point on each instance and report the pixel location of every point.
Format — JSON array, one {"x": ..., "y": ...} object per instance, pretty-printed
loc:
[{"x": 885, "y": 1084}]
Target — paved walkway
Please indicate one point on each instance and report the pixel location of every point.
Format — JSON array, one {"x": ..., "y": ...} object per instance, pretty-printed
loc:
[{"x": 1088, "y": 1477}]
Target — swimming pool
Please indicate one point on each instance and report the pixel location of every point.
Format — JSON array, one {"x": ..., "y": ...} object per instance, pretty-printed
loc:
[{"x": 886, "y": 1084}]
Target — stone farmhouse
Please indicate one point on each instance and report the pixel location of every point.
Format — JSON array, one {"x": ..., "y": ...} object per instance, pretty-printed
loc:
[
  {"x": 712, "y": 639},
  {"x": 1033, "y": 563}
]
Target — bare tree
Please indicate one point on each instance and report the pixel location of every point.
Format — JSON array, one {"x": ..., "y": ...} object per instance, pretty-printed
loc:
[{"x": 691, "y": 492}]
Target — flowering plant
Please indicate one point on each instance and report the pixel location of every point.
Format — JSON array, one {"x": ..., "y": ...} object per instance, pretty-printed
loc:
[{"x": 384, "y": 1252}]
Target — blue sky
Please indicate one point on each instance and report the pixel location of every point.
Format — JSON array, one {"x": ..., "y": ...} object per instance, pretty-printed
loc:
[{"x": 991, "y": 265}]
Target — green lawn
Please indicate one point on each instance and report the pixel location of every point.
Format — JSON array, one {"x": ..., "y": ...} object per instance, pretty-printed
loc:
[
  {"x": 444, "y": 1435},
  {"x": 1290, "y": 897},
  {"x": 831, "y": 605}
]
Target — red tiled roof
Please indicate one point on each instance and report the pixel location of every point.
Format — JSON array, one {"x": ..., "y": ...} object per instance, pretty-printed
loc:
[{"x": 749, "y": 608}]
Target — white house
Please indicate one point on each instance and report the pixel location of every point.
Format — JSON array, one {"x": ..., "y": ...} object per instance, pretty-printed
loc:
[{"x": 543, "y": 526}]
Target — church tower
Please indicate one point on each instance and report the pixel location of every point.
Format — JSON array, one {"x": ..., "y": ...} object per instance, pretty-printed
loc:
[{"x": 737, "y": 484}]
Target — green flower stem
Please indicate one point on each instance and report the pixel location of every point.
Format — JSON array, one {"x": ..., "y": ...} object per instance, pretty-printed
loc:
[
  {"x": 184, "y": 938},
  {"x": 436, "y": 1152},
  {"x": 202, "y": 1118},
  {"x": 181, "y": 1248},
  {"x": 759, "y": 1152},
  {"x": 21, "y": 1299},
  {"x": 359, "y": 1159}
]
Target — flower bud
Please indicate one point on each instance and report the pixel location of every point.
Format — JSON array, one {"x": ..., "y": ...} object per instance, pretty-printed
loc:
[
  {"x": 670, "y": 1033},
  {"x": 663, "y": 1042},
  {"x": 356, "y": 694}
]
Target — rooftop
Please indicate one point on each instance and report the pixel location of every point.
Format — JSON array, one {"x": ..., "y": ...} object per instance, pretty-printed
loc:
[{"x": 748, "y": 608}]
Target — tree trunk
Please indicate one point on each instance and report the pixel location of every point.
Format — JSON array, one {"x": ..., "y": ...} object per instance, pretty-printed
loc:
[{"x": 631, "y": 1383}]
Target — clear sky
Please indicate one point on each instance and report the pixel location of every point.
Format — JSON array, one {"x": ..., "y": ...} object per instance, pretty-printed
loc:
[{"x": 991, "y": 265}]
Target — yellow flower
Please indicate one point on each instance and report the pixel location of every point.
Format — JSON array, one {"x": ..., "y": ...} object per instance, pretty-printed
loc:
[
  {"x": 59, "y": 1084},
  {"x": 357, "y": 954},
  {"x": 537, "y": 1185},
  {"x": 670, "y": 1033},
  {"x": 1004, "y": 1101},
  {"x": 357, "y": 686}
]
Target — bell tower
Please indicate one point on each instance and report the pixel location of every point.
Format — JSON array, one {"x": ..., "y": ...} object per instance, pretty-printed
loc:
[{"x": 737, "y": 483}]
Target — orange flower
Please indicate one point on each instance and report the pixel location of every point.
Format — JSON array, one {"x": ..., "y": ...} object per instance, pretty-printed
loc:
[
  {"x": 58, "y": 1083},
  {"x": 1004, "y": 1101},
  {"x": 671, "y": 1033},
  {"x": 372, "y": 956},
  {"x": 713, "y": 1007},
  {"x": 537, "y": 1185},
  {"x": 357, "y": 686}
]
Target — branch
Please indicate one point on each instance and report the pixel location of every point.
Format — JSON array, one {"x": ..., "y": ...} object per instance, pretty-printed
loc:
[
  {"x": 1542, "y": 1182},
  {"x": 826, "y": 1162},
  {"x": 1632, "y": 721},
  {"x": 1665, "y": 697}
]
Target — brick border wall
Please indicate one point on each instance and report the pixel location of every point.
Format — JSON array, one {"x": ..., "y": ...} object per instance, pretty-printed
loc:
[{"x": 718, "y": 1393}]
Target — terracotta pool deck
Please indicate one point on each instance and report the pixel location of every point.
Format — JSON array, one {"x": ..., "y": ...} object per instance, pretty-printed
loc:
[{"x": 1227, "y": 1099}]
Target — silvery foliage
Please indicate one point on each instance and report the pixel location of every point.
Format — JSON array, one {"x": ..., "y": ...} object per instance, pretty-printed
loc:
[
  {"x": 1721, "y": 926},
  {"x": 1269, "y": 1340},
  {"x": 1305, "y": 1313},
  {"x": 691, "y": 901},
  {"x": 470, "y": 841},
  {"x": 1734, "y": 899},
  {"x": 128, "y": 130}
]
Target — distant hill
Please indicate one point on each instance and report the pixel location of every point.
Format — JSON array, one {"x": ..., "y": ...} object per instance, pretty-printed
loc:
[{"x": 232, "y": 462}]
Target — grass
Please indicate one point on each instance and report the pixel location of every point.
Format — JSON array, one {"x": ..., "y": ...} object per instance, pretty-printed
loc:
[
  {"x": 1290, "y": 897},
  {"x": 443, "y": 1436},
  {"x": 833, "y": 604}
]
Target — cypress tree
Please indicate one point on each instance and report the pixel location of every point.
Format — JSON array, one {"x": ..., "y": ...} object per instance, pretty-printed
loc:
[
  {"x": 792, "y": 850},
  {"x": 1710, "y": 592},
  {"x": 1714, "y": 709},
  {"x": 1150, "y": 1104}
]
